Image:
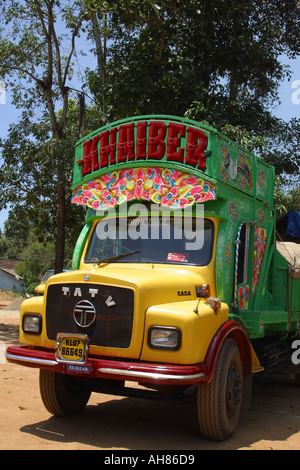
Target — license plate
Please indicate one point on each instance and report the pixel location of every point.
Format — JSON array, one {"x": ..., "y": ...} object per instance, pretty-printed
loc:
[{"x": 71, "y": 348}]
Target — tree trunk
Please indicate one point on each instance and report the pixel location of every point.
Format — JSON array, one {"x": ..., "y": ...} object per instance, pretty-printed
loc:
[
  {"x": 61, "y": 219},
  {"x": 99, "y": 48}
]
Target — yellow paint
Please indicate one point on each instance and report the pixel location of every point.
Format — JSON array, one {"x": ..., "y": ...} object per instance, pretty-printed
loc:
[{"x": 197, "y": 330}]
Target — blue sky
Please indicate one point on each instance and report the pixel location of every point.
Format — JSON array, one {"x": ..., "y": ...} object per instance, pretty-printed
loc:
[{"x": 288, "y": 109}]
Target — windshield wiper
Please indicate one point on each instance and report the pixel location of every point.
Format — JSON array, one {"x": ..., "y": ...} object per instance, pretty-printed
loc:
[{"x": 115, "y": 258}]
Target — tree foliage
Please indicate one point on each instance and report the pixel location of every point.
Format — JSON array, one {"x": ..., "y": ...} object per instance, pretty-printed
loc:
[
  {"x": 37, "y": 259},
  {"x": 29, "y": 180},
  {"x": 34, "y": 64},
  {"x": 14, "y": 238},
  {"x": 165, "y": 56}
]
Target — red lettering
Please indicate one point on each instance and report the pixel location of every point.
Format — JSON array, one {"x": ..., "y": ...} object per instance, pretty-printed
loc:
[
  {"x": 173, "y": 142},
  {"x": 141, "y": 140},
  {"x": 86, "y": 168},
  {"x": 162, "y": 141},
  {"x": 195, "y": 145},
  {"x": 94, "y": 153},
  {"x": 108, "y": 147},
  {"x": 126, "y": 143},
  {"x": 90, "y": 156},
  {"x": 156, "y": 142}
]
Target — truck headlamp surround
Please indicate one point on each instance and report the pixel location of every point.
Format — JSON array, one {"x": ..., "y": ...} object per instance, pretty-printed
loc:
[
  {"x": 164, "y": 337},
  {"x": 32, "y": 324}
]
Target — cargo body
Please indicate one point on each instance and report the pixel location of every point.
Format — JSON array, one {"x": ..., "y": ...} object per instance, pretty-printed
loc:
[{"x": 176, "y": 282}]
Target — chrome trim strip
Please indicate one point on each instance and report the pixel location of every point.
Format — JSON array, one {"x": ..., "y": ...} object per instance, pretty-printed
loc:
[
  {"x": 151, "y": 375},
  {"x": 106, "y": 370},
  {"x": 33, "y": 360}
]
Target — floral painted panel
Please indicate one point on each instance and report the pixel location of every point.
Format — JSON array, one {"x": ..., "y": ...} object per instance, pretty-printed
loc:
[
  {"x": 168, "y": 187},
  {"x": 264, "y": 182},
  {"x": 227, "y": 252},
  {"x": 260, "y": 237},
  {"x": 244, "y": 297},
  {"x": 236, "y": 168}
]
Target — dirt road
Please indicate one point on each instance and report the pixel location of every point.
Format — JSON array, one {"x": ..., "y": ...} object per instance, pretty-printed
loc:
[{"x": 116, "y": 423}]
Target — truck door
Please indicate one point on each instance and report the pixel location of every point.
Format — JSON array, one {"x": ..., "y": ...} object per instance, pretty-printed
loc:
[
  {"x": 250, "y": 248},
  {"x": 241, "y": 277}
]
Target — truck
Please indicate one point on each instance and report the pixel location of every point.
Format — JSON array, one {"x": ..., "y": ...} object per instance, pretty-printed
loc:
[{"x": 177, "y": 288}]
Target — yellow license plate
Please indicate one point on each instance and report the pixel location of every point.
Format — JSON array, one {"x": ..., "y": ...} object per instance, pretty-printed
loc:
[{"x": 73, "y": 348}]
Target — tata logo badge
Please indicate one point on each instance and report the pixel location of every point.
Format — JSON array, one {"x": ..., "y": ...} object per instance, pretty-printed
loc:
[
  {"x": 110, "y": 302},
  {"x": 77, "y": 292},
  {"x": 183, "y": 292},
  {"x": 84, "y": 313},
  {"x": 92, "y": 292}
]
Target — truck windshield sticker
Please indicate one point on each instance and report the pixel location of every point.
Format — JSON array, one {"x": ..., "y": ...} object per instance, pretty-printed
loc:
[{"x": 181, "y": 257}]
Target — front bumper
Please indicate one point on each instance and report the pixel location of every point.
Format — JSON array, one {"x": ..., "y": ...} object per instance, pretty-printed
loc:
[{"x": 99, "y": 368}]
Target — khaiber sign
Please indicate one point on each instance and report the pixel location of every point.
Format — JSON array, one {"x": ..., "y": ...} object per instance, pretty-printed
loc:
[{"x": 145, "y": 140}]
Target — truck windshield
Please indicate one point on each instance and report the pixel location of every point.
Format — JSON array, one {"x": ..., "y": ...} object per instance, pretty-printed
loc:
[{"x": 173, "y": 240}]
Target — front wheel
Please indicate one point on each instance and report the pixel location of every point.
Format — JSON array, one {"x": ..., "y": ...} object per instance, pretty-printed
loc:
[
  {"x": 219, "y": 403},
  {"x": 62, "y": 394}
]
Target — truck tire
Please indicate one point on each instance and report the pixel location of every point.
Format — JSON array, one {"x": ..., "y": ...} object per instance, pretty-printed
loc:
[
  {"x": 219, "y": 403},
  {"x": 62, "y": 395}
]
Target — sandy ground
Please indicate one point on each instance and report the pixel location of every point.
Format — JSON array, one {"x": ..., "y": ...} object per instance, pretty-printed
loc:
[{"x": 117, "y": 423}]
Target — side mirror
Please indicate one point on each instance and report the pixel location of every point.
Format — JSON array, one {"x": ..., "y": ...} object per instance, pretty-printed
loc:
[{"x": 203, "y": 292}]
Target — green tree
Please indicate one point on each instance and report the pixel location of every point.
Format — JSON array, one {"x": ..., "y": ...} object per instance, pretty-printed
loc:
[
  {"x": 37, "y": 259},
  {"x": 283, "y": 151},
  {"x": 286, "y": 200},
  {"x": 166, "y": 55},
  {"x": 30, "y": 183},
  {"x": 36, "y": 63},
  {"x": 15, "y": 235}
]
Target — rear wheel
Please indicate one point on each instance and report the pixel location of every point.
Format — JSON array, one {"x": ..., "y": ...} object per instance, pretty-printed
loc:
[
  {"x": 62, "y": 394},
  {"x": 219, "y": 403}
]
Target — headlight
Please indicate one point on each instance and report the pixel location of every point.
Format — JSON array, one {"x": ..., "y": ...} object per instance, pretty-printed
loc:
[
  {"x": 32, "y": 323},
  {"x": 162, "y": 337}
]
